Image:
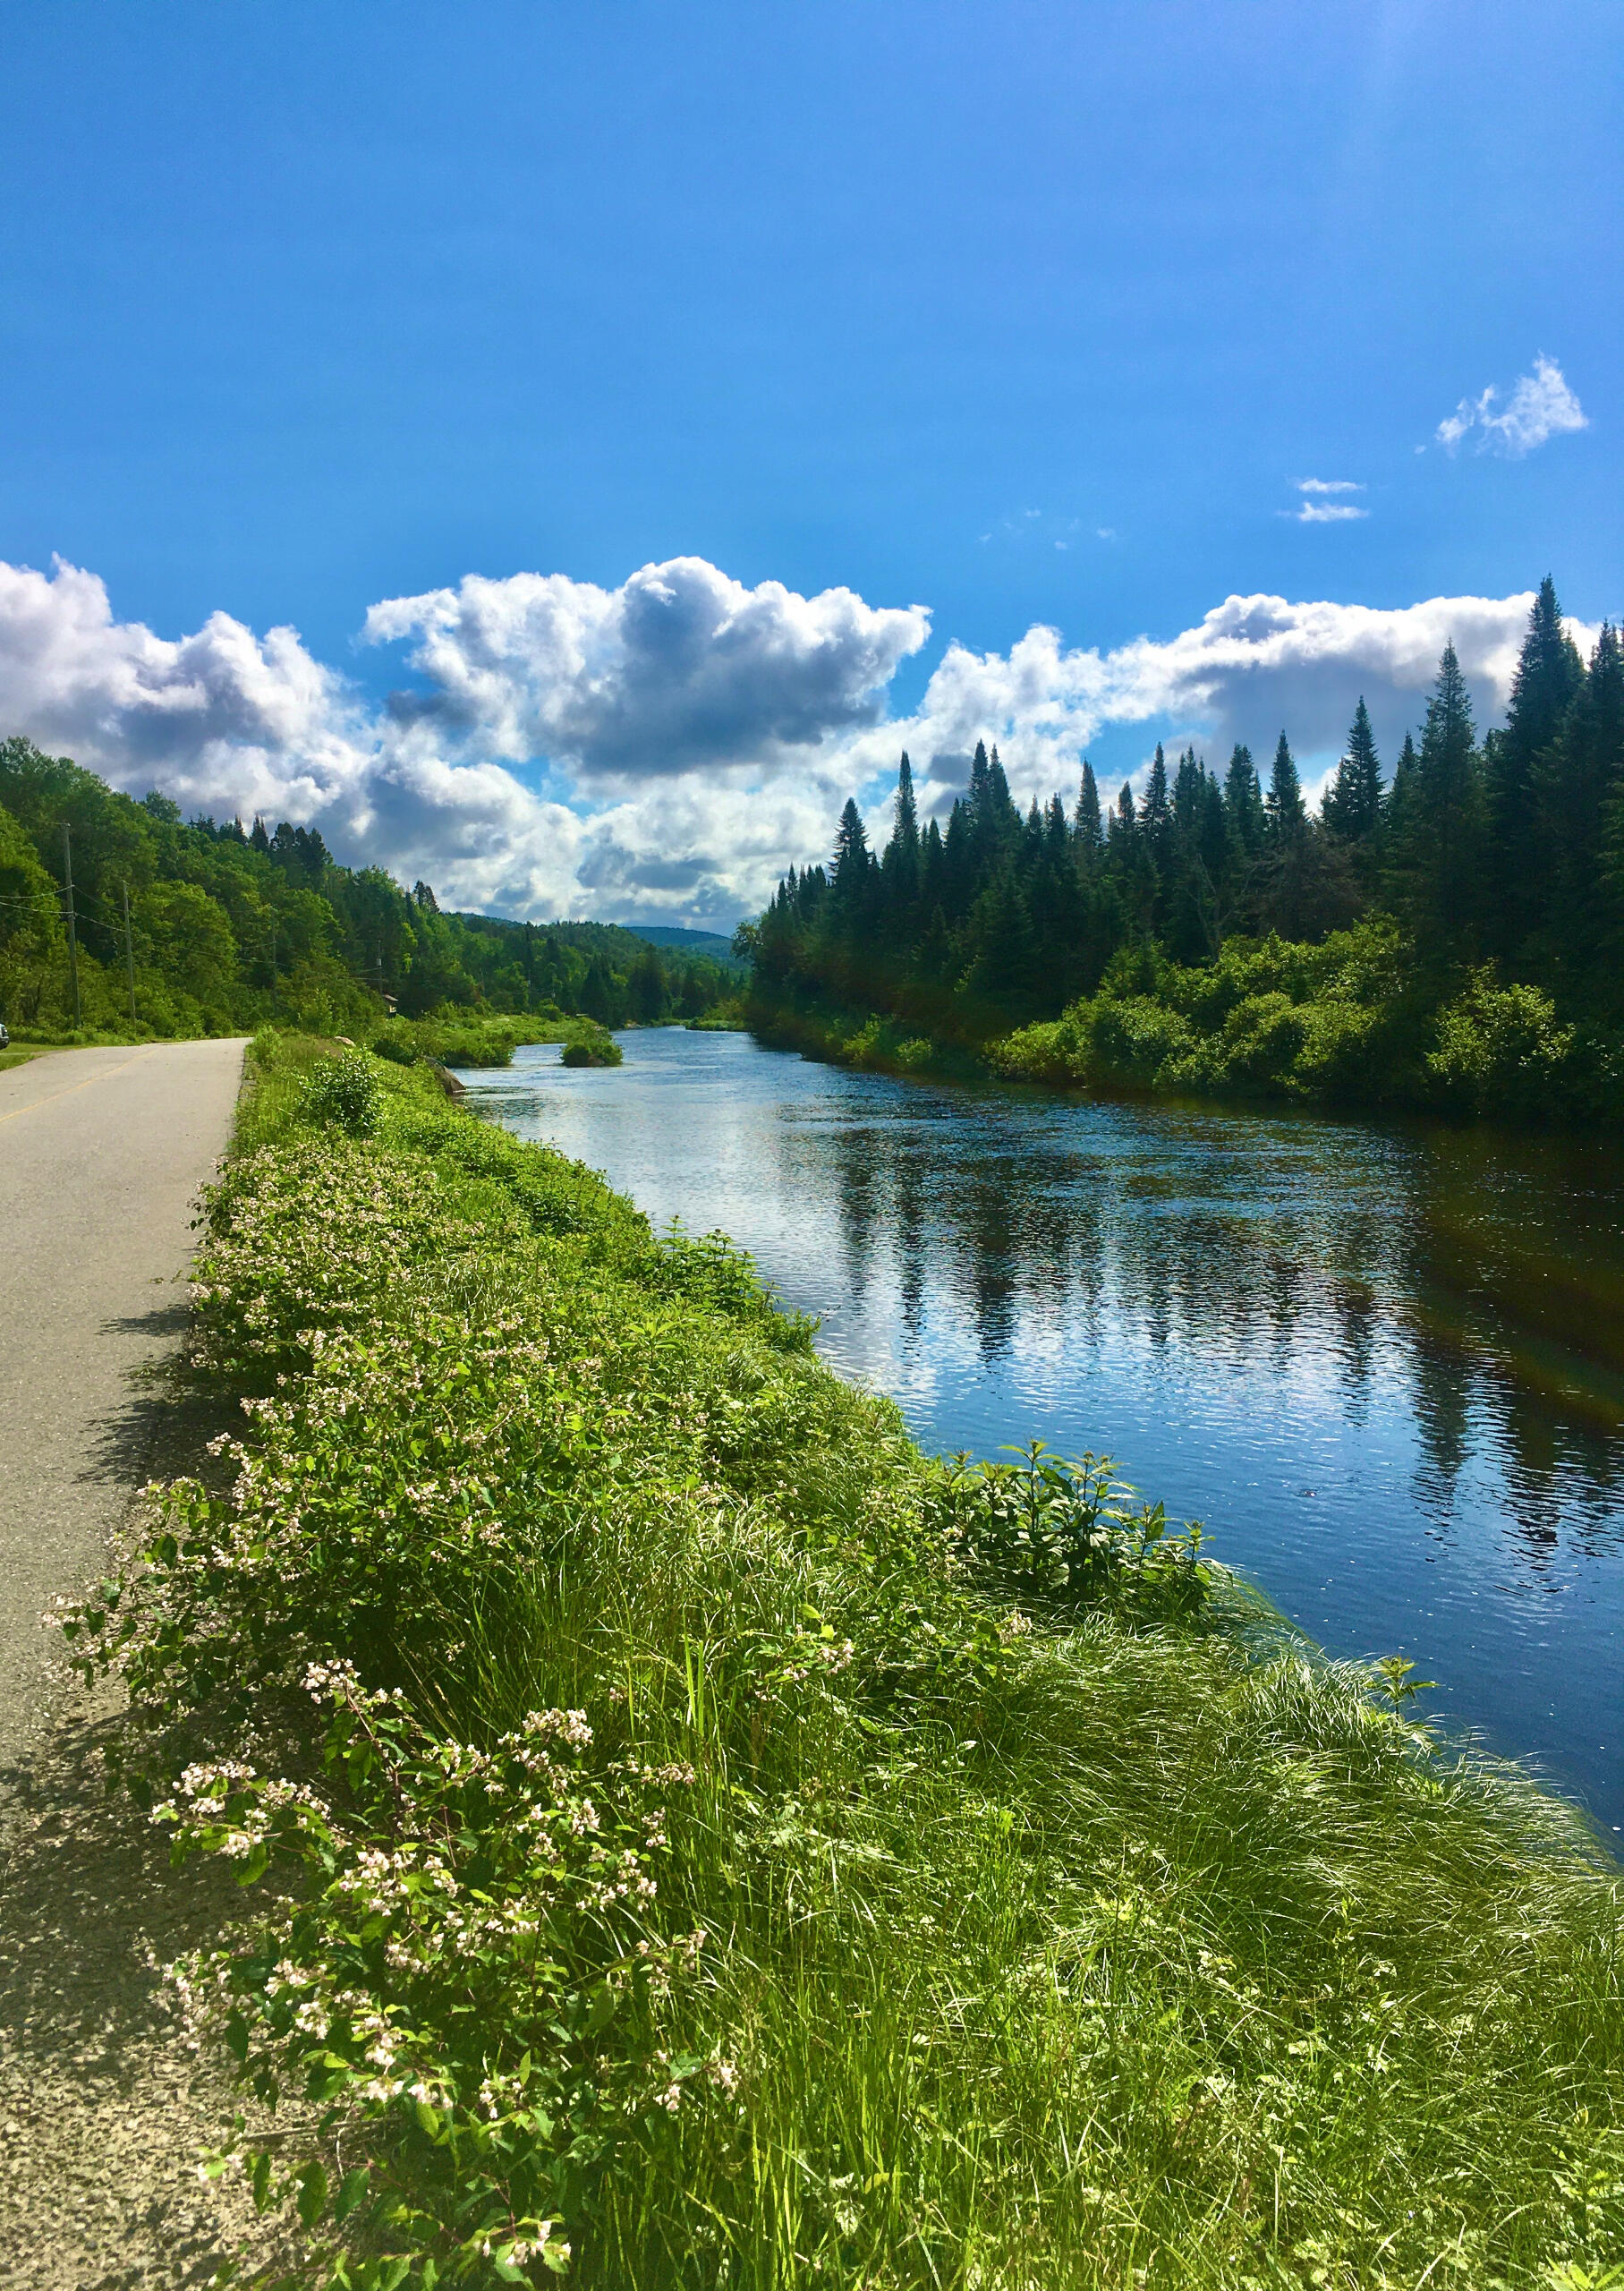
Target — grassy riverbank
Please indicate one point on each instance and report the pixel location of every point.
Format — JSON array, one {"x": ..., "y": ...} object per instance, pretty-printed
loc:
[{"x": 741, "y": 1850}]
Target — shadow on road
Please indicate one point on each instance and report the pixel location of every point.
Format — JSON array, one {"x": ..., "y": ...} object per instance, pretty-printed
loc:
[{"x": 104, "y": 2106}]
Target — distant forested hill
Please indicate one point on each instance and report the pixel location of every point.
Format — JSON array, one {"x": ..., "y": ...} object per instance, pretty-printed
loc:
[
  {"x": 229, "y": 928},
  {"x": 712, "y": 944}
]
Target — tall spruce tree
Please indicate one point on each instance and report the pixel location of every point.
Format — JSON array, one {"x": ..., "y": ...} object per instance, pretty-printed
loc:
[
  {"x": 899, "y": 868},
  {"x": 1243, "y": 802},
  {"x": 904, "y": 831},
  {"x": 1090, "y": 827},
  {"x": 1585, "y": 803},
  {"x": 1155, "y": 812},
  {"x": 850, "y": 869},
  {"x": 1445, "y": 828},
  {"x": 1353, "y": 801},
  {"x": 1288, "y": 819},
  {"x": 1521, "y": 866}
]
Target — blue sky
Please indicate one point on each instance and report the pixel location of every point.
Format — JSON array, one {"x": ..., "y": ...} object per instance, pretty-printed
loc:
[{"x": 1025, "y": 314}]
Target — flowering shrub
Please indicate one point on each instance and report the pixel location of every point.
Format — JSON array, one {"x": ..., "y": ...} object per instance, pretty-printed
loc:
[{"x": 474, "y": 1924}]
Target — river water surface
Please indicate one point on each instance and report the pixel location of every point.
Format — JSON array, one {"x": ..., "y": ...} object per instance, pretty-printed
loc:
[{"x": 1382, "y": 1364}]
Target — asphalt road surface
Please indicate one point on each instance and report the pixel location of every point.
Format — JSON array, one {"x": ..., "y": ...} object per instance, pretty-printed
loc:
[{"x": 101, "y": 1155}]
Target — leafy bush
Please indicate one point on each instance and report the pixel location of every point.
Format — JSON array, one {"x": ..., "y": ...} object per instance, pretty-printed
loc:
[
  {"x": 1131, "y": 1041},
  {"x": 1071, "y": 1533},
  {"x": 1345, "y": 1021},
  {"x": 343, "y": 1094},
  {"x": 1500, "y": 1046}
]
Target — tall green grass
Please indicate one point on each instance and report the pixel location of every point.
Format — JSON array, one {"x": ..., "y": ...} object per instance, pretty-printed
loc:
[{"x": 974, "y": 1891}]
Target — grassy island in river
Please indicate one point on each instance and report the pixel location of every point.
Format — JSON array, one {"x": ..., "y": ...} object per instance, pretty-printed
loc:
[{"x": 734, "y": 1849}]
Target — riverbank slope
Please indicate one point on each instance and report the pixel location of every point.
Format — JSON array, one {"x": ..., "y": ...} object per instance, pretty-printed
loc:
[{"x": 744, "y": 1850}]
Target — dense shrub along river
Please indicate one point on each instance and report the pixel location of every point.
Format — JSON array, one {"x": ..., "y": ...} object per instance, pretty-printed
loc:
[{"x": 1384, "y": 1364}]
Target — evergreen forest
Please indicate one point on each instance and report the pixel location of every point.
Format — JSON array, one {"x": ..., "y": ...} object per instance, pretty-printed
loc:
[
  {"x": 1448, "y": 933},
  {"x": 178, "y": 927}
]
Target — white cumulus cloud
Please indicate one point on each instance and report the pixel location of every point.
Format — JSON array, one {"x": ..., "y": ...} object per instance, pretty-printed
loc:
[
  {"x": 1541, "y": 405},
  {"x": 679, "y": 666},
  {"x": 667, "y": 748}
]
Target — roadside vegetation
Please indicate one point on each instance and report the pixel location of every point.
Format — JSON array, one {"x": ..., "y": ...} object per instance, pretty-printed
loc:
[
  {"x": 1449, "y": 935},
  {"x": 690, "y": 1837}
]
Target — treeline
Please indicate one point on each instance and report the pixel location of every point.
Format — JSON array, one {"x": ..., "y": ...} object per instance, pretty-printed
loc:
[
  {"x": 214, "y": 929},
  {"x": 1470, "y": 904}
]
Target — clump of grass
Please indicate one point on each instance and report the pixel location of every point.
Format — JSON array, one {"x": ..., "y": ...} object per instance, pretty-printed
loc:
[{"x": 744, "y": 1852}]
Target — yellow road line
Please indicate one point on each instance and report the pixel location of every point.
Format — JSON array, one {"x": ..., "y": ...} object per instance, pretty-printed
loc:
[{"x": 106, "y": 1074}]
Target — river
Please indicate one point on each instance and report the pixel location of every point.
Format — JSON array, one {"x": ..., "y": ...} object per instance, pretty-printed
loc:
[{"x": 1382, "y": 1362}]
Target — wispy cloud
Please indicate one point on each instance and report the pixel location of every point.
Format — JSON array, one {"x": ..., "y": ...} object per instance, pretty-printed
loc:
[
  {"x": 1541, "y": 406},
  {"x": 1320, "y": 505}
]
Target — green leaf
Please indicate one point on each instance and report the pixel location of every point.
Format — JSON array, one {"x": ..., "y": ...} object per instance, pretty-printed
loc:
[
  {"x": 261, "y": 2182},
  {"x": 312, "y": 2193},
  {"x": 352, "y": 2191}
]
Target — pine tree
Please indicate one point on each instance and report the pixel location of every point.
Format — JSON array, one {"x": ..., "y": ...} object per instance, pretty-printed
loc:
[
  {"x": 1212, "y": 831},
  {"x": 1090, "y": 830},
  {"x": 1446, "y": 823},
  {"x": 850, "y": 868},
  {"x": 1155, "y": 814},
  {"x": 1287, "y": 820},
  {"x": 647, "y": 991},
  {"x": 899, "y": 869},
  {"x": 1243, "y": 802},
  {"x": 905, "y": 831},
  {"x": 997, "y": 789},
  {"x": 598, "y": 993},
  {"x": 1001, "y": 932},
  {"x": 1521, "y": 865},
  {"x": 1187, "y": 793},
  {"x": 1589, "y": 783},
  {"x": 980, "y": 777},
  {"x": 1353, "y": 802}
]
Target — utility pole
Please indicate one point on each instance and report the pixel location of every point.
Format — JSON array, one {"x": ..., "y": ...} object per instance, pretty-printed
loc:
[
  {"x": 67, "y": 876},
  {"x": 130, "y": 954}
]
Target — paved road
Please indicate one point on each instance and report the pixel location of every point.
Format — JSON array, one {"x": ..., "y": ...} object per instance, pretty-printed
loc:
[{"x": 101, "y": 1155}]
